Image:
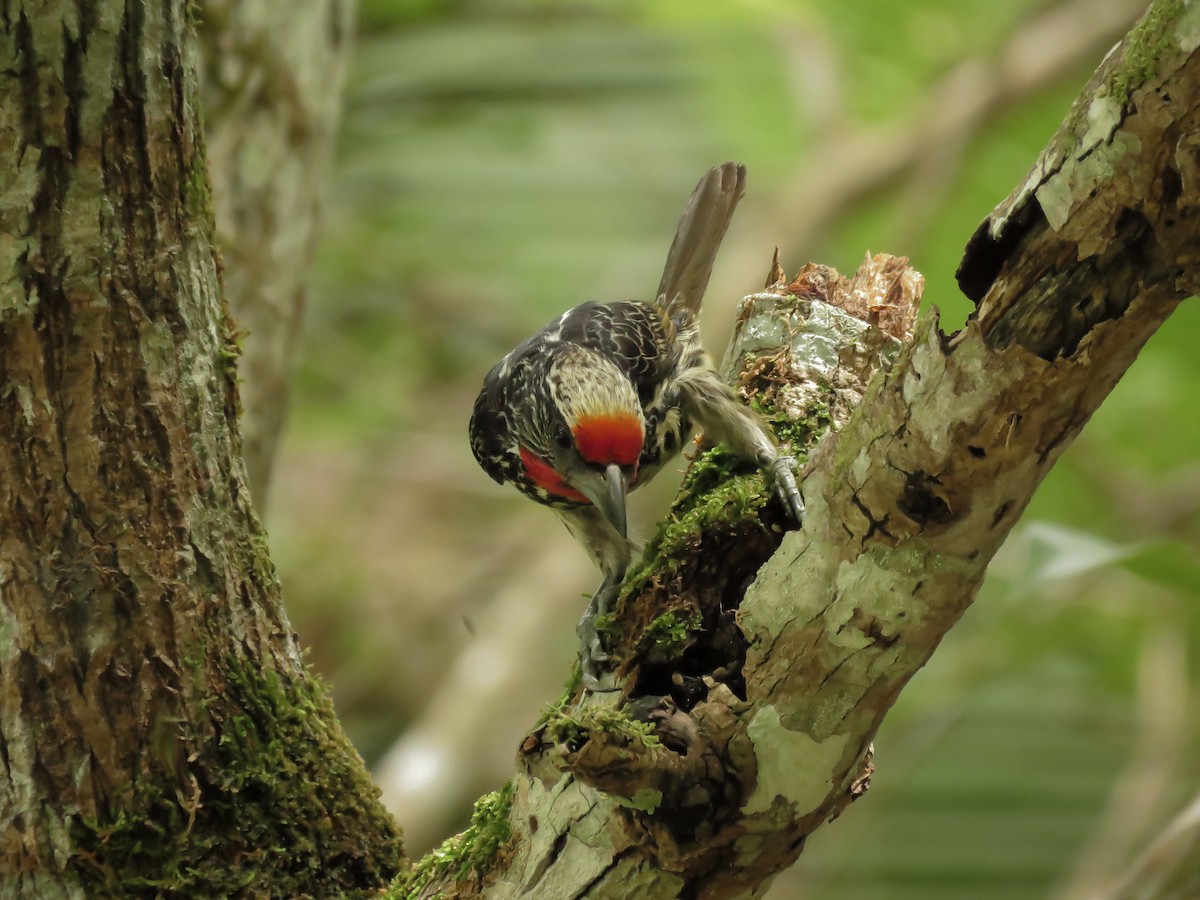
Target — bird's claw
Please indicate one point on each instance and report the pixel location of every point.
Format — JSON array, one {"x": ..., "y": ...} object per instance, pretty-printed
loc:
[
  {"x": 591, "y": 649},
  {"x": 598, "y": 684},
  {"x": 591, "y": 660},
  {"x": 783, "y": 481},
  {"x": 592, "y": 654}
]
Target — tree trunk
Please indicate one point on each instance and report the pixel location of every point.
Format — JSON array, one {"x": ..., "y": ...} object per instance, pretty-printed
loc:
[
  {"x": 756, "y": 667},
  {"x": 271, "y": 80},
  {"x": 159, "y": 734}
]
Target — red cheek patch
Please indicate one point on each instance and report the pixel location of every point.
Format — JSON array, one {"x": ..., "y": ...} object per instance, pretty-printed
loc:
[
  {"x": 544, "y": 476},
  {"x": 608, "y": 439}
]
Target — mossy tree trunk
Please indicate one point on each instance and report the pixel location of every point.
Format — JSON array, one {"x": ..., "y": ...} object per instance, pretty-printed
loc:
[
  {"x": 756, "y": 667},
  {"x": 159, "y": 734}
]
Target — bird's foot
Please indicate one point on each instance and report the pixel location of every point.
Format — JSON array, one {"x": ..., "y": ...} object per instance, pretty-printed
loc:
[
  {"x": 592, "y": 655},
  {"x": 782, "y": 475},
  {"x": 599, "y": 683}
]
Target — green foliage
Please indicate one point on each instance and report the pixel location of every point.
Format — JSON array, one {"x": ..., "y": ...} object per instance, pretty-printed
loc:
[
  {"x": 893, "y": 65},
  {"x": 382, "y": 15}
]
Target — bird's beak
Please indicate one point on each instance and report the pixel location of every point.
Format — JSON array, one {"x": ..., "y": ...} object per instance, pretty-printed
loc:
[{"x": 606, "y": 491}]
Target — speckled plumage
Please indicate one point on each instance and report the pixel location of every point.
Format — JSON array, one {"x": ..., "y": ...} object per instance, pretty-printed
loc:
[
  {"x": 638, "y": 364},
  {"x": 627, "y": 345},
  {"x": 643, "y": 347}
]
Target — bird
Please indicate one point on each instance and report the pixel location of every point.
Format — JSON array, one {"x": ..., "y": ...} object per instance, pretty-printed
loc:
[{"x": 594, "y": 404}]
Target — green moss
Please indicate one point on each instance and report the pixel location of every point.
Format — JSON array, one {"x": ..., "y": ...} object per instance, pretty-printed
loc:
[
  {"x": 196, "y": 193},
  {"x": 230, "y": 350},
  {"x": 271, "y": 799},
  {"x": 575, "y": 729},
  {"x": 796, "y": 436},
  {"x": 468, "y": 855},
  {"x": 722, "y": 490},
  {"x": 232, "y": 346},
  {"x": 573, "y": 680},
  {"x": 568, "y": 695},
  {"x": 645, "y": 799},
  {"x": 1144, "y": 48},
  {"x": 670, "y": 631},
  {"x": 718, "y": 488},
  {"x": 606, "y": 624}
]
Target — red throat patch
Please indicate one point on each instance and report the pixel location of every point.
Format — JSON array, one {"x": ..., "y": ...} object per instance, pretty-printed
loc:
[
  {"x": 545, "y": 477},
  {"x": 609, "y": 438}
]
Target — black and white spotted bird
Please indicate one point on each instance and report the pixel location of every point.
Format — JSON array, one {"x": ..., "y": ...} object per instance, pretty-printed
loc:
[{"x": 595, "y": 403}]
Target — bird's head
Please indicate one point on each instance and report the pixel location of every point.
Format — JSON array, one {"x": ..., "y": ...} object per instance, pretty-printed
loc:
[{"x": 583, "y": 439}]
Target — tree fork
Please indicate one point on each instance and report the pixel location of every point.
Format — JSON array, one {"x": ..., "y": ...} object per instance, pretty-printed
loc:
[
  {"x": 704, "y": 783},
  {"x": 159, "y": 733}
]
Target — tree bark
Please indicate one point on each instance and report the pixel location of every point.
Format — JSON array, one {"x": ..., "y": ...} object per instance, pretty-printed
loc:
[
  {"x": 271, "y": 80},
  {"x": 746, "y": 712},
  {"x": 159, "y": 734}
]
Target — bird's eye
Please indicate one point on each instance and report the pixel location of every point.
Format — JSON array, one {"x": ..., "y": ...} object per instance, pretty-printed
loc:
[{"x": 562, "y": 437}]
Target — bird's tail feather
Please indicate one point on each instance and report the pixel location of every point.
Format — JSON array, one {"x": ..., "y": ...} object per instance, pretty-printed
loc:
[{"x": 701, "y": 228}]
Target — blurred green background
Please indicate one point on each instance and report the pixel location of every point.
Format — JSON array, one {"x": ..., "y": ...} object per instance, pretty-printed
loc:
[{"x": 502, "y": 161}]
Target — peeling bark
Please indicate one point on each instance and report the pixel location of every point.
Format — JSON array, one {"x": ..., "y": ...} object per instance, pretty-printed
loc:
[
  {"x": 751, "y": 726},
  {"x": 159, "y": 734}
]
